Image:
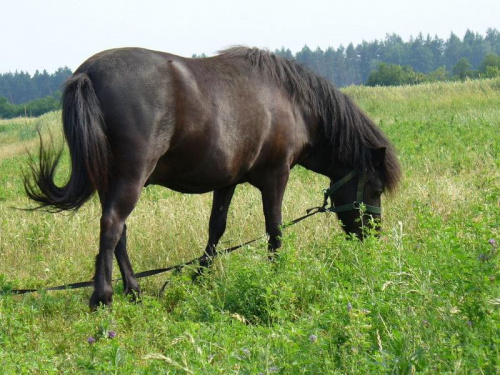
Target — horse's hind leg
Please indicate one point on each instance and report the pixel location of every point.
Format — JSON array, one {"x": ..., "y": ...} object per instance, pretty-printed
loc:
[
  {"x": 218, "y": 219},
  {"x": 116, "y": 206},
  {"x": 130, "y": 284}
]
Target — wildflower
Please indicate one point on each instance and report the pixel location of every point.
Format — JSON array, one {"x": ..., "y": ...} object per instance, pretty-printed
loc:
[
  {"x": 349, "y": 306},
  {"x": 111, "y": 334},
  {"x": 91, "y": 340},
  {"x": 469, "y": 323},
  {"x": 492, "y": 242},
  {"x": 483, "y": 257},
  {"x": 313, "y": 338},
  {"x": 246, "y": 351},
  {"x": 273, "y": 369},
  {"x": 425, "y": 322}
]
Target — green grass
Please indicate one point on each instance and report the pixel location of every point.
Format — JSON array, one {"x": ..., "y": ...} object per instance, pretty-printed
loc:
[{"x": 424, "y": 298}]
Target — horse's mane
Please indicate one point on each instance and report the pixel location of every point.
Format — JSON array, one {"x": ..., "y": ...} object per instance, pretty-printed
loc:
[{"x": 350, "y": 132}]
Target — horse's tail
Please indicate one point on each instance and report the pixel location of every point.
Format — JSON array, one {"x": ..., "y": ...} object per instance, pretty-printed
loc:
[{"x": 84, "y": 127}]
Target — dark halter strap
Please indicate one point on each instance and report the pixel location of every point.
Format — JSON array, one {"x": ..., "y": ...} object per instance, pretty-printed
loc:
[{"x": 356, "y": 205}]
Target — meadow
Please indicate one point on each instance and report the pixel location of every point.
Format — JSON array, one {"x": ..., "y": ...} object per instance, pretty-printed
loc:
[{"x": 424, "y": 298}]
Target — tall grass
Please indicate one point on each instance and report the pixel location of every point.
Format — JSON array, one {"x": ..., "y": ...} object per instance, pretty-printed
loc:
[{"x": 423, "y": 298}]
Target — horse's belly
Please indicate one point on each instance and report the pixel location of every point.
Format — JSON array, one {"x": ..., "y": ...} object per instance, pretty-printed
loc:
[{"x": 195, "y": 177}]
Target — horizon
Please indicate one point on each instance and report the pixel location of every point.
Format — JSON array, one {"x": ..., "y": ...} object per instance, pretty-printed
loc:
[
  {"x": 294, "y": 52},
  {"x": 55, "y": 33}
]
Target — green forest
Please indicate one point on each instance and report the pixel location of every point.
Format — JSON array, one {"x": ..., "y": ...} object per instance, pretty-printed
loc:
[
  {"x": 388, "y": 62},
  {"x": 22, "y": 94},
  {"x": 418, "y": 60}
]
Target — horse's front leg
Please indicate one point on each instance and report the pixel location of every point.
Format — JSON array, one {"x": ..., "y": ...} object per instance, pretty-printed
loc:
[
  {"x": 217, "y": 225},
  {"x": 273, "y": 189}
]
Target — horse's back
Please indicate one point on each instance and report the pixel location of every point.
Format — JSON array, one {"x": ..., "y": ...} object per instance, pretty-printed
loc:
[{"x": 193, "y": 125}]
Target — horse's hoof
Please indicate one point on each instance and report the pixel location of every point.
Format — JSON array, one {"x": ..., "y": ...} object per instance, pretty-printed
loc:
[
  {"x": 195, "y": 276},
  {"x": 133, "y": 294},
  {"x": 201, "y": 270},
  {"x": 100, "y": 299},
  {"x": 272, "y": 256},
  {"x": 132, "y": 287},
  {"x": 203, "y": 265}
]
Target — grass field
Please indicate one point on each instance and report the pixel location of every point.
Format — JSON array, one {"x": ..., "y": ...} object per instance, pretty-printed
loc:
[{"x": 424, "y": 298}]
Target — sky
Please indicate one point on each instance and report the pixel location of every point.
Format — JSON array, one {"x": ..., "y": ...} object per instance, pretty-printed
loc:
[{"x": 48, "y": 34}]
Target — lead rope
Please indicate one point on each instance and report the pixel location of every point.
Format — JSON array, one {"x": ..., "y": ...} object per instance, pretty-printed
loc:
[
  {"x": 328, "y": 194},
  {"x": 83, "y": 284}
]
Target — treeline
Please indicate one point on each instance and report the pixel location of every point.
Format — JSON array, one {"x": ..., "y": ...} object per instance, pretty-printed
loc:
[
  {"x": 33, "y": 108},
  {"x": 391, "y": 61},
  {"x": 352, "y": 65},
  {"x": 396, "y": 75},
  {"x": 21, "y": 87},
  {"x": 22, "y": 94}
]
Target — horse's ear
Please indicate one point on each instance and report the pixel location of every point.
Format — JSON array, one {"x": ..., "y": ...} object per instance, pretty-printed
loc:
[{"x": 378, "y": 157}]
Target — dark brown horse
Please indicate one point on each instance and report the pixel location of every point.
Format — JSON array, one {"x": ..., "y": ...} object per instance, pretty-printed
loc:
[{"x": 134, "y": 117}]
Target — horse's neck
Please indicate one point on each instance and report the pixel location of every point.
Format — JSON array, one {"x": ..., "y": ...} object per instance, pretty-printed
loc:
[{"x": 319, "y": 158}]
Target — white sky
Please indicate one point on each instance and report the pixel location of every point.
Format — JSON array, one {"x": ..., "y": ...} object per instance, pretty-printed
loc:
[{"x": 48, "y": 34}]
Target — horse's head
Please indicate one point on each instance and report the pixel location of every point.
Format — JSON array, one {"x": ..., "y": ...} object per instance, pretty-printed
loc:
[{"x": 356, "y": 196}]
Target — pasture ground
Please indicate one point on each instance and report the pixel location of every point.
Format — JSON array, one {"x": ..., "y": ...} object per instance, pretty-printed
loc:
[{"x": 425, "y": 298}]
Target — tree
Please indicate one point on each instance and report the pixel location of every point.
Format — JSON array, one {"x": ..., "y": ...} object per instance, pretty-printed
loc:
[
  {"x": 393, "y": 50},
  {"x": 437, "y": 47},
  {"x": 304, "y": 56},
  {"x": 493, "y": 39},
  {"x": 393, "y": 75},
  {"x": 329, "y": 60},
  {"x": 462, "y": 68},
  {"x": 367, "y": 54},
  {"x": 285, "y": 53},
  {"x": 420, "y": 54},
  {"x": 453, "y": 51},
  {"x": 318, "y": 64},
  {"x": 475, "y": 48},
  {"x": 352, "y": 73},
  {"x": 490, "y": 67},
  {"x": 440, "y": 74},
  {"x": 7, "y": 110},
  {"x": 339, "y": 66}
]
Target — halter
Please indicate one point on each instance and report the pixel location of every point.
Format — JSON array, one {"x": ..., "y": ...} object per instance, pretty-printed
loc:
[{"x": 356, "y": 205}]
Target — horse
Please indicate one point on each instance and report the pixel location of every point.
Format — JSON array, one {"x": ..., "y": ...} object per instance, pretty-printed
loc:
[{"x": 134, "y": 117}]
